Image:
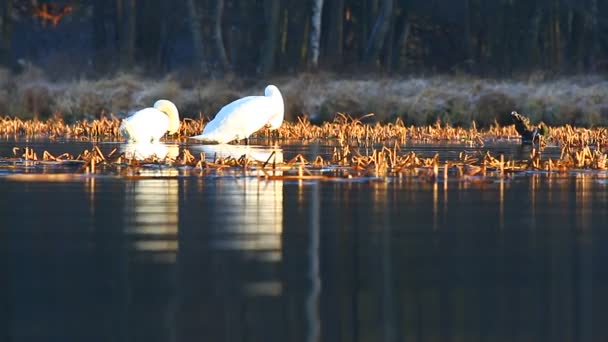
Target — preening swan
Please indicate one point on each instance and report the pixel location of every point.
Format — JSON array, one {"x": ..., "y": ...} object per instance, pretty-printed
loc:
[
  {"x": 243, "y": 117},
  {"x": 150, "y": 124}
]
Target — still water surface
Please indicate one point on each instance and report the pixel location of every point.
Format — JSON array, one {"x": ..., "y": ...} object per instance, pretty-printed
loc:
[{"x": 237, "y": 258}]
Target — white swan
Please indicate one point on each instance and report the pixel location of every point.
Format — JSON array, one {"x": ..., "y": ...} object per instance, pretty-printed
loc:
[
  {"x": 150, "y": 124},
  {"x": 243, "y": 117}
]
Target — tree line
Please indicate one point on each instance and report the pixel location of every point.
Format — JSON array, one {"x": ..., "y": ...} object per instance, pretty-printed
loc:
[{"x": 218, "y": 38}]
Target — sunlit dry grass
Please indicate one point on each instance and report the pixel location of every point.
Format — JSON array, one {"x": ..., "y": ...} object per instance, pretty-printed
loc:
[
  {"x": 343, "y": 130},
  {"x": 345, "y": 163}
]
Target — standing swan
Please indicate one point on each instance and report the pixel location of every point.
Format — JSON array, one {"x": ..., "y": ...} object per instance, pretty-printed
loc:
[
  {"x": 150, "y": 124},
  {"x": 243, "y": 117}
]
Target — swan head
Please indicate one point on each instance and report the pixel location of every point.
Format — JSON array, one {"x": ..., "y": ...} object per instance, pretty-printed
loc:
[
  {"x": 169, "y": 108},
  {"x": 278, "y": 109}
]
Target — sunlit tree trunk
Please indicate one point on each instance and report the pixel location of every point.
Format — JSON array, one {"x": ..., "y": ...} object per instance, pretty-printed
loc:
[
  {"x": 197, "y": 36},
  {"x": 218, "y": 37},
  {"x": 315, "y": 33},
  {"x": 6, "y": 53},
  {"x": 378, "y": 35},
  {"x": 271, "y": 14}
]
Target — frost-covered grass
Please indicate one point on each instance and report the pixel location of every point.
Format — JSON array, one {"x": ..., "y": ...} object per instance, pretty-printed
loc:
[{"x": 581, "y": 100}]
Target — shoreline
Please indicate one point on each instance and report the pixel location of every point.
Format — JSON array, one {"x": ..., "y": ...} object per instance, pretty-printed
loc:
[{"x": 455, "y": 100}]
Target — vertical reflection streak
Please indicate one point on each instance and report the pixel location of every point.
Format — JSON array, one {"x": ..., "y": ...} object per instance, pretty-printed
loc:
[
  {"x": 533, "y": 185},
  {"x": 501, "y": 218},
  {"x": 152, "y": 217},
  {"x": 312, "y": 301},
  {"x": 582, "y": 203},
  {"x": 387, "y": 291},
  {"x": 435, "y": 206}
]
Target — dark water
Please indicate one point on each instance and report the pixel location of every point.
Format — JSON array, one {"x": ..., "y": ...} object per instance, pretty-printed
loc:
[{"x": 237, "y": 258}]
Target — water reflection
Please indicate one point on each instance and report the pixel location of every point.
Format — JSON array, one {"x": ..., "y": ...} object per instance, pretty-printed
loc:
[
  {"x": 142, "y": 151},
  {"x": 254, "y": 220},
  {"x": 314, "y": 296},
  {"x": 259, "y": 153},
  {"x": 151, "y": 212},
  {"x": 224, "y": 258}
]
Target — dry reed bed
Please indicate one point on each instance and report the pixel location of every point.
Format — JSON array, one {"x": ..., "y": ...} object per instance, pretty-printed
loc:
[
  {"x": 343, "y": 129},
  {"x": 345, "y": 162}
]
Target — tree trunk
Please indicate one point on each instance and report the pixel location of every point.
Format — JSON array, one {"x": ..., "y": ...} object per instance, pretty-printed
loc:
[
  {"x": 389, "y": 51},
  {"x": 271, "y": 11},
  {"x": 6, "y": 50},
  {"x": 467, "y": 31},
  {"x": 164, "y": 35},
  {"x": 197, "y": 36},
  {"x": 335, "y": 34},
  {"x": 376, "y": 39},
  {"x": 534, "y": 53},
  {"x": 297, "y": 26},
  {"x": 402, "y": 41},
  {"x": 315, "y": 33},
  {"x": 218, "y": 37},
  {"x": 126, "y": 32},
  {"x": 595, "y": 35}
]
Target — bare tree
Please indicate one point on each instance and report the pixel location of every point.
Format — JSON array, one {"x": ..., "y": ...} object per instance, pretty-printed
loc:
[
  {"x": 595, "y": 36},
  {"x": 197, "y": 35},
  {"x": 335, "y": 35},
  {"x": 315, "y": 33},
  {"x": 218, "y": 37},
  {"x": 381, "y": 27},
  {"x": 272, "y": 27},
  {"x": 6, "y": 57},
  {"x": 297, "y": 25},
  {"x": 126, "y": 30}
]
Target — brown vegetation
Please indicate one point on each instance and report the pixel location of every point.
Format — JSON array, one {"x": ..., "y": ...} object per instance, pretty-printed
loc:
[
  {"x": 457, "y": 101},
  {"x": 581, "y": 148},
  {"x": 343, "y": 130}
]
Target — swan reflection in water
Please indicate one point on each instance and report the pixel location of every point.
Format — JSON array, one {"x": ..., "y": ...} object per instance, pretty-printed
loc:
[
  {"x": 252, "y": 216},
  {"x": 151, "y": 215},
  {"x": 259, "y": 153},
  {"x": 141, "y": 151}
]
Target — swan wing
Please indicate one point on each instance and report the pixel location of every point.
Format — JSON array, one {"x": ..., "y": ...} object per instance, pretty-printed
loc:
[{"x": 238, "y": 120}]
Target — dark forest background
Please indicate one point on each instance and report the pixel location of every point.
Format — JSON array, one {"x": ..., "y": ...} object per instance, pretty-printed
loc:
[
  {"x": 419, "y": 60},
  {"x": 215, "y": 38}
]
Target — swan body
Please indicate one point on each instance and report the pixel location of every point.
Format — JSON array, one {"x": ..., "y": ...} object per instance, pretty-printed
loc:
[
  {"x": 150, "y": 124},
  {"x": 243, "y": 117}
]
